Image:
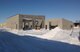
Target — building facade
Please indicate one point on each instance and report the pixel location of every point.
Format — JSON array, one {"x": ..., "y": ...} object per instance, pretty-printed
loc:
[
  {"x": 77, "y": 24},
  {"x": 2, "y": 25},
  {"x": 62, "y": 23},
  {"x": 25, "y": 22}
]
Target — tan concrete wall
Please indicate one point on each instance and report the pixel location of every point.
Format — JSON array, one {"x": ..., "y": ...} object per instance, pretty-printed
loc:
[
  {"x": 26, "y": 17},
  {"x": 16, "y": 22},
  {"x": 62, "y": 23},
  {"x": 1, "y": 25},
  {"x": 54, "y": 22},
  {"x": 66, "y": 24},
  {"x": 31, "y": 17},
  {"x": 13, "y": 22}
]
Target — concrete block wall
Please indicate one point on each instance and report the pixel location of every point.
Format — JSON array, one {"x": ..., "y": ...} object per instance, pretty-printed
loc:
[
  {"x": 13, "y": 22},
  {"x": 62, "y": 23},
  {"x": 16, "y": 22}
]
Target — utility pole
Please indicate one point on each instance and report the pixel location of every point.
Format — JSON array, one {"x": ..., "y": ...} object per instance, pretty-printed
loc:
[{"x": 71, "y": 30}]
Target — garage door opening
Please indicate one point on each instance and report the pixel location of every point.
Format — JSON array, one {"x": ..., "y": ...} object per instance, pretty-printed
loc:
[{"x": 52, "y": 26}]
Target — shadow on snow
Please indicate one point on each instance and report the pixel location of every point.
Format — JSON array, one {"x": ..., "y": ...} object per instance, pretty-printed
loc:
[{"x": 13, "y": 43}]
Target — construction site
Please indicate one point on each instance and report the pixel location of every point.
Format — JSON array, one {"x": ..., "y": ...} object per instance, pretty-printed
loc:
[{"x": 27, "y": 22}]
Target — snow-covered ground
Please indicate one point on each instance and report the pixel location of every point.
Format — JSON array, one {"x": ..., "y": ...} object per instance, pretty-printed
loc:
[
  {"x": 10, "y": 42},
  {"x": 57, "y": 34},
  {"x": 63, "y": 35}
]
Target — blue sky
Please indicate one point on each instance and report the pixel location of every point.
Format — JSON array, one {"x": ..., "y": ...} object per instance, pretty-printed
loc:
[{"x": 68, "y": 9}]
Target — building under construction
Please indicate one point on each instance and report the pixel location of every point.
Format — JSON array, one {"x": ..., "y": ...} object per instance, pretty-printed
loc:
[
  {"x": 60, "y": 22},
  {"x": 25, "y": 22}
]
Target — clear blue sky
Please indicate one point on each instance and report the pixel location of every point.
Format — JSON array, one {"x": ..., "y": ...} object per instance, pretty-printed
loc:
[{"x": 68, "y": 9}]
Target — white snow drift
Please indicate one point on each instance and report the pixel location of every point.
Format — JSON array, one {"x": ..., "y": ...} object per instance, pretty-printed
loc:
[{"x": 56, "y": 34}]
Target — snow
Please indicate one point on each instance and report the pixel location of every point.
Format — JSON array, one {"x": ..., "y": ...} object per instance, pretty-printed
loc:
[
  {"x": 33, "y": 32},
  {"x": 63, "y": 35},
  {"x": 56, "y": 34},
  {"x": 10, "y": 42},
  {"x": 51, "y": 33}
]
